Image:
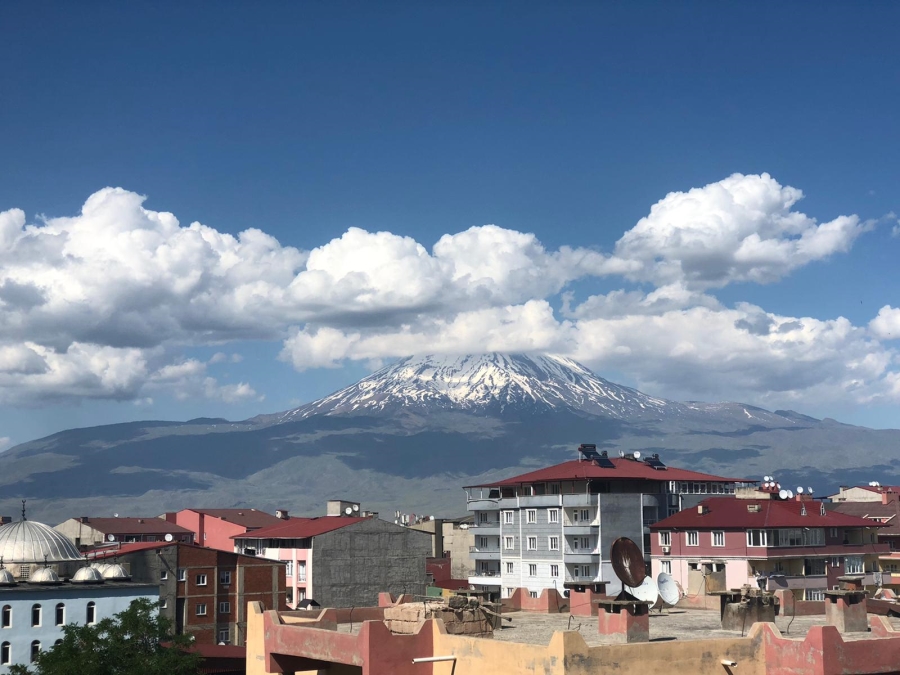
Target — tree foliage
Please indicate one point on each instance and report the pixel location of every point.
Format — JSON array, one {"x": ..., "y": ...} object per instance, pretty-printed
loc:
[{"x": 136, "y": 641}]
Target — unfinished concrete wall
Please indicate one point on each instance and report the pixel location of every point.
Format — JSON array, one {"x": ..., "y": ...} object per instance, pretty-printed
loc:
[
  {"x": 620, "y": 516},
  {"x": 355, "y": 563}
]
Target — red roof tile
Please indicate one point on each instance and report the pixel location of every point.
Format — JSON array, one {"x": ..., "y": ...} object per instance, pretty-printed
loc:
[
  {"x": 301, "y": 528},
  {"x": 112, "y": 552},
  {"x": 626, "y": 469},
  {"x": 730, "y": 513},
  {"x": 250, "y": 518},
  {"x": 135, "y": 526},
  {"x": 889, "y": 511}
]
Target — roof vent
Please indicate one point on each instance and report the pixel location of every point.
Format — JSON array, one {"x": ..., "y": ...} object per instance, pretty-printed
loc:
[
  {"x": 822, "y": 508},
  {"x": 702, "y": 509},
  {"x": 753, "y": 508},
  {"x": 281, "y": 513},
  {"x": 141, "y": 521}
]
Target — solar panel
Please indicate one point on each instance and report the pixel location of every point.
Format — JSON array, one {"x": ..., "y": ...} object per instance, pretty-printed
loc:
[
  {"x": 588, "y": 451},
  {"x": 654, "y": 461},
  {"x": 604, "y": 462}
]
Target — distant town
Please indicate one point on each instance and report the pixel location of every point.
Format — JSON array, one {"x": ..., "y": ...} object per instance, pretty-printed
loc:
[{"x": 259, "y": 591}]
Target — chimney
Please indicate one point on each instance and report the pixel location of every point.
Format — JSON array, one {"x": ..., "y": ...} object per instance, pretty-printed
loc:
[
  {"x": 281, "y": 513},
  {"x": 885, "y": 497},
  {"x": 702, "y": 509},
  {"x": 84, "y": 519}
]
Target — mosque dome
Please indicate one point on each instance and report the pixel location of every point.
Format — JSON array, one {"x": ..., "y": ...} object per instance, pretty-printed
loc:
[
  {"x": 27, "y": 541},
  {"x": 43, "y": 575},
  {"x": 87, "y": 575},
  {"x": 116, "y": 572},
  {"x": 6, "y": 577}
]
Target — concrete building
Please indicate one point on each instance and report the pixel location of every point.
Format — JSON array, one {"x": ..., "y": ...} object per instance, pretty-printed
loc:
[
  {"x": 44, "y": 585},
  {"x": 758, "y": 538},
  {"x": 863, "y": 493},
  {"x": 884, "y": 510},
  {"x": 343, "y": 560},
  {"x": 453, "y": 539},
  {"x": 215, "y": 528},
  {"x": 88, "y": 533},
  {"x": 556, "y": 525},
  {"x": 203, "y": 591}
]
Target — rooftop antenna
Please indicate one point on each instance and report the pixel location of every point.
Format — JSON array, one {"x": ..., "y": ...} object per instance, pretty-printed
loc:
[
  {"x": 23, "y": 510},
  {"x": 783, "y": 494},
  {"x": 809, "y": 490},
  {"x": 800, "y": 490}
]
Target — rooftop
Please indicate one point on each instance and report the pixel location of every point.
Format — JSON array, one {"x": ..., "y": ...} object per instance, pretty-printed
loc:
[
  {"x": 125, "y": 549},
  {"x": 249, "y": 518},
  {"x": 728, "y": 513},
  {"x": 623, "y": 469},
  {"x": 301, "y": 528},
  {"x": 889, "y": 513},
  {"x": 121, "y": 526}
]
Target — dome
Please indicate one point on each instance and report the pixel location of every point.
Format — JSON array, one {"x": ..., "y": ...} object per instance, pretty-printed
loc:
[
  {"x": 100, "y": 567},
  {"x": 43, "y": 575},
  {"x": 6, "y": 577},
  {"x": 115, "y": 572},
  {"x": 88, "y": 575},
  {"x": 27, "y": 541}
]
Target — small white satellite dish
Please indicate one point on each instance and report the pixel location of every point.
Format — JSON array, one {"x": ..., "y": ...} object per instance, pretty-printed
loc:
[
  {"x": 356, "y": 507},
  {"x": 348, "y": 510},
  {"x": 668, "y": 591},
  {"x": 646, "y": 592},
  {"x": 637, "y": 454},
  {"x": 168, "y": 537},
  {"x": 782, "y": 494},
  {"x": 115, "y": 515},
  {"x": 110, "y": 537},
  {"x": 621, "y": 453},
  {"x": 809, "y": 490},
  {"x": 790, "y": 494},
  {"x": 800, "y": 490},
  {"x": 778, "y": 485}
]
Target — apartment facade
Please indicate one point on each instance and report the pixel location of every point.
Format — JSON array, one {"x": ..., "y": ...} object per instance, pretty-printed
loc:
[
  {"x": 216, "y": 528},
  {"x": 203, "y": 591},
  {"x": 88, "y": 533},
  {"x": 762, "y": 540},
  {"x": 556, "y": 525}
]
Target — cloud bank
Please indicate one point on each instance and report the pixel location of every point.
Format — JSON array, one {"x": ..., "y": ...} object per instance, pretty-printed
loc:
[{"x": 103, "y": 304}]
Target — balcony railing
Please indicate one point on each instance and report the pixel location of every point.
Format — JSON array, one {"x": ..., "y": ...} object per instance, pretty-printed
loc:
[{"x": 484, "y": 549}]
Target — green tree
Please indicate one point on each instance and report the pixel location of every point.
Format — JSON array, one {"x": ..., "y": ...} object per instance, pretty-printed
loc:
[{"x": 137, "y": 641}]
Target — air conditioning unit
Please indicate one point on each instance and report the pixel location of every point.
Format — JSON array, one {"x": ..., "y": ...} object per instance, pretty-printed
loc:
[{"x": 666, "y": 549}]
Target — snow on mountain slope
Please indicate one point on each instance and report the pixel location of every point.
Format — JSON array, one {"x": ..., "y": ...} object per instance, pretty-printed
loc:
[{"x": 487, "y": 382}]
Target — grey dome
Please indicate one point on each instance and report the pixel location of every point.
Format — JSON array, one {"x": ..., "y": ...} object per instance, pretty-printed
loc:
[
  {"x": 100, "y": 567},
  {"x": 115, "y": 572},
  {"x": 6, "y": 577},
  {"x": 28, "y": 541},
  {"x": 43, "y": 575},
  {"x": 87, "y": 575}
]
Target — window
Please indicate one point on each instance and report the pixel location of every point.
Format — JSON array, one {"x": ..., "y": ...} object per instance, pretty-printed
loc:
[
  {"x": 163, "y": 603},
  {"x": 665, "y": 566},
  {"x": 482, "y": 516},
  {"x": 201, "y": 609},
  {"x": 35, "y": 615},
  {"x": 60, "y": 614},
  {"x": 853, "y": 564},
  {"x": 532, "y": 543},
  {"x": 581, "y": 516},
  {"x": 554, "y": 570},
  {"x": 224, "y": 608},
  {"x": 225, "y": 577},
  {"x": 508, "y": 592},
  {"x": 182, "y": 575},
  {"x": 665, "y": 538},
  {"x": 554, "y": 543},
  {"x": 223, "y": 636},
  {"x": 288, "y": 569},
  {"x": 482, "y": 542},
  {"x": 507, "y": 517},
  {"x": 532, "y": 570},
  {"x": 4, "y": 654},
  {"x": 163, "y": 575},
  {"x": 24, "y": 572},
  {"x": 6, "y": 617},
  {"x": 91, "y": 614},
  {"x": 692, "y": 538},
  {"x": 835, "y": 562},
  {"x": 508, "y": 543},
  {"x": 756, "y": 538},
  {"x": 301, "y": 594},
  {"x": 779, "y": 566},
  {"x": 816, "y": 594},
  {"x": 833, "y": 532},
  {"x": 531, "y": 516},
  {"x": 510, "y": 568},
  {"x": 718, "y": 538},
  {"x": 201, "y": 580},
  {"x": 35, "y": 650},
  {"x": 301, "y": 570},
  {"x": 533, "y": 594},
  {"x": 552, "y": 515}
]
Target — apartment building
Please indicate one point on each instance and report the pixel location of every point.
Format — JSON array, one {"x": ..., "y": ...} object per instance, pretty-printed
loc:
[
  {"x": 88, "y": 533},
  {"x": 556, "y": 525},
  {"x": 880, "y": 504},
  {"x": 761, "y": 539},
  {"x": 216, "y": 528}
]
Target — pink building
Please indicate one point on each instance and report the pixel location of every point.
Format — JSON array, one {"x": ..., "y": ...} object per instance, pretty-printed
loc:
[
  {"x": 757, "y": 538},
  {"x": 216, "y": 528}
]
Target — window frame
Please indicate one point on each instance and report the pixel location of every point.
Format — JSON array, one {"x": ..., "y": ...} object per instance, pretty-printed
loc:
[
  {"x": 6, "y": 616},
  {"x": 531, "y": 516},
  {"x": 35, "y": 650},
  {"x": 692, "y": 535},
  {"x": 509, "y": 542},
  {"x": 202, "y": 580},
  {"x": 59, "y": 615},
  {"x": 198, "y": 607},
  {"x": 665, "y": 537},
  {"x": 5, "y": 653},
  {"x": 553, "y": 516},
  {"x": 182, "y": 574},
  {"x": 90, "y": 613},
  {"x": 37, "y": 611},
  {"x": 227, "y": 635},
  {"x": 508, "y": 518},
  {"x": 554, "y": 570},
  {"x": 510, "y": 568},
  {"x": 550, "y": 542},
  {"x": 163, "y": 575},
  {"x": 715, "y": 534},
  {"x": 532, "y": 569},
  {"x": 665, "y": 566},
  {"x": 225, "y": 576},
  {"x": 224, "y": 607},
  {"x": 529, "y": 541}
]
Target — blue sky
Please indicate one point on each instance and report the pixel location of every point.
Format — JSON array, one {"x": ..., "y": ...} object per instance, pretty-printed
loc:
[{"x": 566, "y": 122}]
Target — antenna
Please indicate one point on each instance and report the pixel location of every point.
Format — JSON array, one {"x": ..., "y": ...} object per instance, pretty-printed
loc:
[
  {"x": 783, "y": 494},
  {"x": 790, "y": 494},
  {"x": 168, "y": 537},
  {"x": 356, "y": 507},
  {"x": 23, "y": 510},
  {"x": 348, "y": 510},
  {"x": 809, "y": 490},
  {"x": 637, "y": 454},
  {"x": 800, "y": 490}
]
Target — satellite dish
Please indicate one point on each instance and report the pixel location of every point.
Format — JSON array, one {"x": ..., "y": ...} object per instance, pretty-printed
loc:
[
  {"x": 348, "y": 510},
  {"x": 628, "y": 562},
  {"x": 621, "y": 453},
  {"x": 115, "y": 515},
  {"x": 668, "y": 591},
  {"x": 168, "y": 537},
  {"x": 110, "y": 537},
  {"x": 637, "y": 454},
  {"x": 790, "y": 494},
  {"x": 809, "y": 490},
  {"x": 356, "y": 507},
  {"x": 800, "y": 490},
  {"x": 646, "y": 592},
  {"x": 778, "y": 485},
  {"x": 783, "y": 494}
]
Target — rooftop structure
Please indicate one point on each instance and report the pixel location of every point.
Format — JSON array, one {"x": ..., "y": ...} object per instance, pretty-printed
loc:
[
  {"x": 28, "y": 542},
  {"x": 214, "y": 528},
  {"x": 555, "y": 525},
  {"x": 91, "y": 532},
  {"x": 864, "y": 493}
]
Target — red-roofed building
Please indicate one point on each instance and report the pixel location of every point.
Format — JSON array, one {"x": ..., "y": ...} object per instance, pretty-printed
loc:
[
  {"x": 757, "y": 538},
  {"x": 865, "y": 493},
  {"x": 556, "y": 525},
  {"x": 342, "y": 560},
  {"x": 91, "y": 532},
  {"x": 215, "y": 528}
]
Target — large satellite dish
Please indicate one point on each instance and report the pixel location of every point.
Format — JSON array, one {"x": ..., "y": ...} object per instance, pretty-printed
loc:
[
  {"x": 646, "y": 592},
  {"x": 628, "y": 562},
  {"x": 783, "y": 494},
  {"x": 110, "y": 537},
  {"x": 668, "y": 589},
  {"x": 168, "y": 537}
]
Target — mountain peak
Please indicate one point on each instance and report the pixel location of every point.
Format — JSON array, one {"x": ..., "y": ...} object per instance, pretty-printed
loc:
[{"x": 492, "y": 381}]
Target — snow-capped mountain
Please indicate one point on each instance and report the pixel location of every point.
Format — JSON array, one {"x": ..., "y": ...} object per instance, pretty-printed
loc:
[{"x": 495, "y": 382}]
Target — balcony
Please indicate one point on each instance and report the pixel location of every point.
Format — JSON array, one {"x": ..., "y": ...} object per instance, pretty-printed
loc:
[
  {"x": 485, "y": 579},
  {"x": 539, "y": 501},
  {"x": 484, "y": 552},
  {"x": 584, "y": 527},
  {"x": 582, "y": 555},
  {"x": 488, "y": 529},
  {"x": 581, "y": 579},
  {"x": 482, "y": 504},
  {"x": 796, "y": 581},
  {"x": 579, "y": 500}
]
